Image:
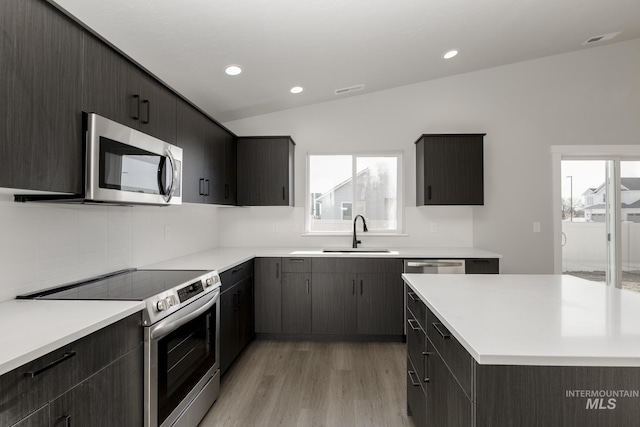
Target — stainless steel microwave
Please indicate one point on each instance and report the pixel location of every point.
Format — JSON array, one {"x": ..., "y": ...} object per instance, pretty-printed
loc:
[{"x": 125, "y": 166}]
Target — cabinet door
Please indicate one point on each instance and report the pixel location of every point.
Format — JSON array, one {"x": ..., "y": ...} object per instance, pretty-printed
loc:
[
  {"x": 296, "y": 303},
  {"x": 41, "y": 98},
  {"x": 111, "y": 84},
  {"x": 157, "y": 109},
  {"x": 192, "y": 136},
  {"x": 334, "y": 303},
  {"x": 111, "y": 397},
  {"x": 228, "y": 327},
  {"x": 380, "y": 304},
  {"x": 416, "y": 399},
  {"x": 215, "y": 172},
  {"x": 230, "y": 169},
  {"x": 449, "y": 170},
  {"x": 245, "y": 312},
  {"x": 268, "y": 295},
  {"x": 265, "y": 171},
  {"x": 447, "y": 405}
]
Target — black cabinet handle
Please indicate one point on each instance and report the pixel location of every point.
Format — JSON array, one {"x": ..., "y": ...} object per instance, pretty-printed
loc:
[
  {"x": 66, "y": 419},
  {"x": 411, "y": 375},
  {"x": 361, "y": 287},
  {"x": 135, "y": 107},
  {"x": 353, "y": 282},
  {"x": 146, "y": 110},
  {"x": 480, "y": 261},
  {"x": 412, "y": 295},
  {"x": 239, "y": 299},
  {"x": 201, "y": 187},
  {"x": 428, "y": 192},
  {"x": 412, "y": 323},
  {"x": 283, "y": 193},
  {"x": 277, "y": 270},
  {"x": 66, "y": 356},
  {"x": 207, "y": 193},
  {"x": 235, "y": 301},
  {"x": 226, "y": 191},
  {"x": 298, "y": 260},
  {"x": 235, "y": 270},
  {"x": 308, "y": 290},
  {"x": 444, "y": 333}
]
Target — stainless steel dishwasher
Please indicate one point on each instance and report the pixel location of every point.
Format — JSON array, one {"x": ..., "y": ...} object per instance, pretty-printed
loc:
[{"x": 430, "y": 266}]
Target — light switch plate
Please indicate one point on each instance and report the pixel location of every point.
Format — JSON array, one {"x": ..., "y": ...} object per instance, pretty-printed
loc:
[{"x": 537, "y": 228}]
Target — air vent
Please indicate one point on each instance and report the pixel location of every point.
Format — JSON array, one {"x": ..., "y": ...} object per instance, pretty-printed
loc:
[
  {"x": 600, "y": 39},
  {"x": 349, "y": 89}
]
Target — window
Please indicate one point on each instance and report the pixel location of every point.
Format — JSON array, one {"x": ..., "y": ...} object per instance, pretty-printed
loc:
[{"x": 343, "y": 186}]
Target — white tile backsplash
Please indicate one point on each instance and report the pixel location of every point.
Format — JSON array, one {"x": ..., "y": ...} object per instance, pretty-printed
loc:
[{"x": 44, "y": 245}]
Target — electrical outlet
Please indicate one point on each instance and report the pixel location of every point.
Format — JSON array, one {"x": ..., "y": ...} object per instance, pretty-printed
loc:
[
  {"x": 274, "y": 227},
  {"x": 167, "y": 232},
  {"x": 537, "y": 228},
  {"x": 434, "y": 227}
]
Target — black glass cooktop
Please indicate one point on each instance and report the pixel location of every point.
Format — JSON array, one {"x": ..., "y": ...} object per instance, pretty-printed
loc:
[{"x": 134, "y": 285}]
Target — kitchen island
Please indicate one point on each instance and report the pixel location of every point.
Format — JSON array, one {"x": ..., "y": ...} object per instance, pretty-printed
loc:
[{"x": 522, "y": 350}]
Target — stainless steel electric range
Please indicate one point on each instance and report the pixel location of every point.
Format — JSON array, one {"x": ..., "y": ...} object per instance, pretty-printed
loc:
[{"x": 181, "y": 336}]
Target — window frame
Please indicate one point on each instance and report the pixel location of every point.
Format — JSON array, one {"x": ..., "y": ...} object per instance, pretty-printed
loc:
[{"x": 400, "y": 210}]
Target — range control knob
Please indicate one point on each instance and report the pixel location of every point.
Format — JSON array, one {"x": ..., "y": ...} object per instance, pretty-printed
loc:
[
  {"x": 162, "y": 305},
  {"x": 166, "y": 303},
  {"x": 208, "y": 282}
]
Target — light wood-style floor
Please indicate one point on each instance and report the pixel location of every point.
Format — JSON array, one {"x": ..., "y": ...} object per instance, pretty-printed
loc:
[{"x": 283, "y": 383}]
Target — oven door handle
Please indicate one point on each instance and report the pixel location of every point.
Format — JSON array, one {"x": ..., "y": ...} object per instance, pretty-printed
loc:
[{"x": 166, "y": 326}]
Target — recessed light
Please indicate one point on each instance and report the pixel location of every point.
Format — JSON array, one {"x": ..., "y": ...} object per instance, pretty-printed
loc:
[
  {"x": 296, "y": 89},
  {"x": 233, "y": 70},
  {"x": 450, "y": 54}
]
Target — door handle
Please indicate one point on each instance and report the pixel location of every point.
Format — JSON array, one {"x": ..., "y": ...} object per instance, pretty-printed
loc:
[
  {"x": 444, "y": 333},
  {"x": 66, "y": 356},
  {"x": 135, "y": 107},
  {"x": 147, "y": 110}
]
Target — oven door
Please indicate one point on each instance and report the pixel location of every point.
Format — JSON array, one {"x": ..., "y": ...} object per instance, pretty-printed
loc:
[{"x": 182, "y": 377}]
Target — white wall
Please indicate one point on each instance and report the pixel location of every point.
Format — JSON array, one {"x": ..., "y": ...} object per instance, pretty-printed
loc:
[
  {"x": 43, "y": 245},
  {"x": 587, "y": 97}
]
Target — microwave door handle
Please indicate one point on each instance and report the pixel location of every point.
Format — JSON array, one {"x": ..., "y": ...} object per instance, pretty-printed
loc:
[{"x": 174, "y": 178}]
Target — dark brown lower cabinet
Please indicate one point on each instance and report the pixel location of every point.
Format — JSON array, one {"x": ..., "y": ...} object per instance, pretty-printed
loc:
[
  {"x": 99, "y": 376},
  {"x": 111, "y": 397},
  {"x": 236, "y": 312},
  {"x": 296, "y": 303},
  {"x": 462, "y": 393},
  {"x": 333, "y": 306}
]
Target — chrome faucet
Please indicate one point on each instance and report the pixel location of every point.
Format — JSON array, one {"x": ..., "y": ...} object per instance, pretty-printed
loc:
[{"x": 364, "y": 228}]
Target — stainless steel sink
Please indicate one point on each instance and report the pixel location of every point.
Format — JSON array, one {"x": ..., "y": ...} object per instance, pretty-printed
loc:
[{"x": 355, "y": 250}]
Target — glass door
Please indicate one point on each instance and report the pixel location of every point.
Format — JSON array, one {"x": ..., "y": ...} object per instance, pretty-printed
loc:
[
  {"x": 630, "y": 224},
  {"x": 601, "y": 221}
]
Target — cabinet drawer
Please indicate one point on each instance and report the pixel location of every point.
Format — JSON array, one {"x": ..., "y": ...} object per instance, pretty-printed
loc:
[
  {"x": 296, "y": 265},
  {"x": 416, "y": 340},
  {"x": 454, "y": 355},
  {"x": 481, "y": 266},
  {"x": 235, "y": 275},
  {"x": 416, "y": 398},
  {"x": 357, "y": 265},
  {"x": 32, "y": 385},
  {"x": 417, "y": 307}
]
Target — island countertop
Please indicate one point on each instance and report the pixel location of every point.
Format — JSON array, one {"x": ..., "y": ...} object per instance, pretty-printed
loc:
[{"x": 545, "y": 320}]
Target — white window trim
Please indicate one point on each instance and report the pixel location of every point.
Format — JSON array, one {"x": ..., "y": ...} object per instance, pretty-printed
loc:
[
  {"x": 400, "y": 231},
  {"x": 579, "y": 152}
]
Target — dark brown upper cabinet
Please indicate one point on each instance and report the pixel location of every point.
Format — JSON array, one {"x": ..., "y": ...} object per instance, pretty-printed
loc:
[
  {"x": 265, "y": 171},
  {"x": 449, "y": 169},
  {"x": 41, "y": 96},
  {"x": 116, "y": 88},
  {"x": 208, "y": 170}
]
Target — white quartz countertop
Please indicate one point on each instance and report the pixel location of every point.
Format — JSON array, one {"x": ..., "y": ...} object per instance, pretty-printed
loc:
[
  {"x": 33, "y": 328},
  {"x": 225, "y": 258},
  {"x": 549, "y": 320}
]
